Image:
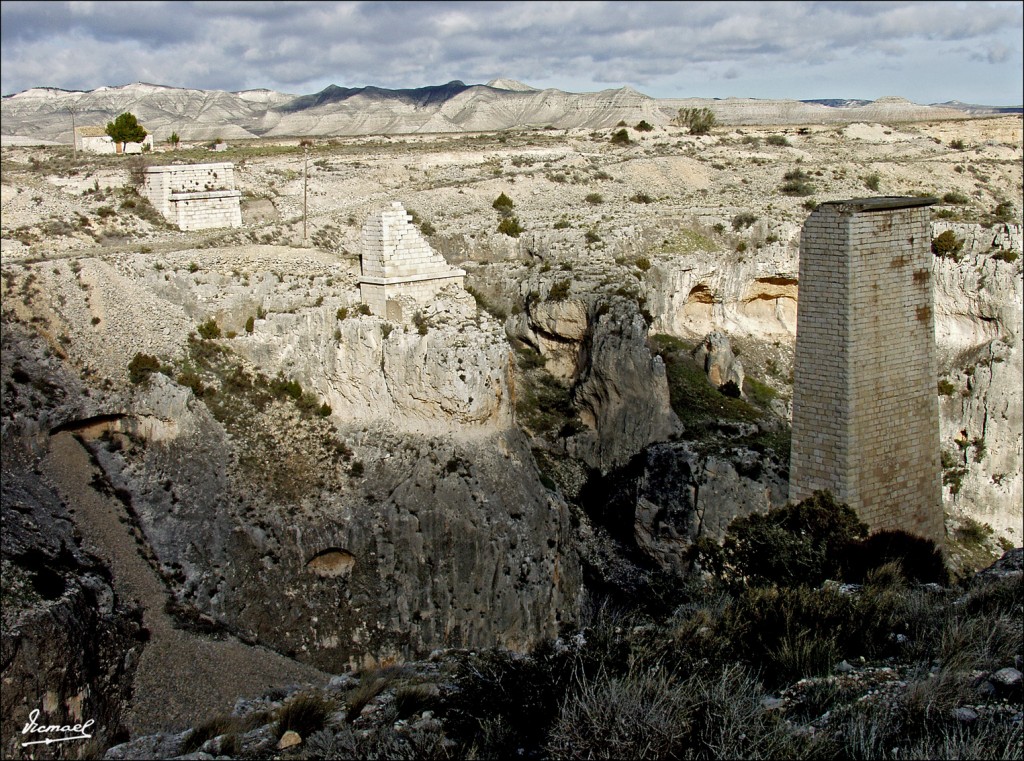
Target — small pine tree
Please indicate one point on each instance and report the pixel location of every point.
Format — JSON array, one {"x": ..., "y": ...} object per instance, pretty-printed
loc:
[
  {"x": 126, "y": 129},
  {"x": 503, "y": 205}
]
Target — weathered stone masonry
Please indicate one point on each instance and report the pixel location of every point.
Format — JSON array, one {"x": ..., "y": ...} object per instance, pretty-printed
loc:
[
  {"x": 195, "y": 196},
  {"x": 398, "y": 264},
  {"x": 865, "y": 407}
]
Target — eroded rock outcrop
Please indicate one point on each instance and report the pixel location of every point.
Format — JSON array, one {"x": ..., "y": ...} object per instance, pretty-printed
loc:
[
  {"x": 716, "y": 356},
  {"x": 621, "y": 392}
]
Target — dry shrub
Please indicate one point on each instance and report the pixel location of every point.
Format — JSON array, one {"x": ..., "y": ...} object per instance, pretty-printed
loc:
[
  {"x": 648, "y": 713},
  {"x": 640, "y": 715},
  {"x": 370, "y": 686},
  {"x": 305, "y": 714}
]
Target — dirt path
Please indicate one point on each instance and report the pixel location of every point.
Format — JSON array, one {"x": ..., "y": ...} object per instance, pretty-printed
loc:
[{"x": 182, "y": 678}]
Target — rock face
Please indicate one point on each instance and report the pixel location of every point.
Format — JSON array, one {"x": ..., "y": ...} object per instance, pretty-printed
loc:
[
  {"x": 621, "y": 392},
  {"x": 715, "y": 355},
  {"x": 452, "y": 376},
  {"x": 439, "y": 541},
  {"x": 406, "y": 516},
  {"x": 56, "y": 595},
  {"x": 979, "y": 329},
  {"x": 670, "y": 495}
]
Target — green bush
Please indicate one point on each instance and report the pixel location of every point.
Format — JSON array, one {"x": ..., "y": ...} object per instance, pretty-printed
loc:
[
  {"x": 1004, "y": 212},
  {"x": 730, "y": 388},
  {"x": 510, "y": 226},
  {"x": 954, "y": 197},
  {"x": 559, "y": 290},
  {"x": 947, "y": 245},
  {"x": 779, "y": 141},
  {"x": 521, "y": 696},
  {"x": 797, "y": 183},
  {"x": 250, "y": 324},
  {"x": 919, "y": 559},
  {"x": 957, "y": 144},
  {"x": 621, "y": 137},
  {"x": 591, "y": 237},
  {"x": 281, "y": 387},
  {"x": 872, "y": 181},
  {"x": 641, "y": 198},
  {"x": 805, "y": 543},
  {"x": 209, "y": 329},
  {"x": 699, "y": 121},
  {"x": 643, "y": 126},
  {"x": 503, "y": 205},
  {"x": 141, "y": 367},
  {"x": 594, "y": 198},
  {"x": 643, "y": 263},
  {"x": 743, "y": 220}
]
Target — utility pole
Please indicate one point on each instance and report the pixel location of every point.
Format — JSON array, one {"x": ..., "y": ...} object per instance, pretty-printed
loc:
[
  {"x": 305, "y": 174},
  {"x": 74, "y": 132}
]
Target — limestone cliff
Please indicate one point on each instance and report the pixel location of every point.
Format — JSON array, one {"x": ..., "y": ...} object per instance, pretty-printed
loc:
[
  {"x": 979, "y": 329},
  {"x": 368, "y": 472}
]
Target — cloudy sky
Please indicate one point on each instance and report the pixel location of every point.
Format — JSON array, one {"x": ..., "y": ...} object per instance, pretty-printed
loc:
[{"x": 925, "y": 51}]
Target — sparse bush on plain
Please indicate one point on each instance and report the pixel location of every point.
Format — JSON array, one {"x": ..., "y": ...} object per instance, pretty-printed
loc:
[
  {"x": 778, "y": 141},
  {"x": 621, "y": 137},
  {"x": 873, "y": 181},
  {"x": 643, "y": 126},
  {"x": 699, "y": 121},
  {"x": 796, "y": 182}
]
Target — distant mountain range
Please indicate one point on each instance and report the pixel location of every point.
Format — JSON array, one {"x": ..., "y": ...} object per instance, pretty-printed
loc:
[{"x": 45, "y": 114}]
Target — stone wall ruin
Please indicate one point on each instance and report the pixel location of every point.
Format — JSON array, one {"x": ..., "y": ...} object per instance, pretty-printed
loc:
[
  {"x": 398, "y": 265},
  {"x": 195, "y": 196}
]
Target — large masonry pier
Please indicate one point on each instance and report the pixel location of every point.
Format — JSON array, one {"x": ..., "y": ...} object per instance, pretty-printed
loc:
[{"x": 865, "y": 407}]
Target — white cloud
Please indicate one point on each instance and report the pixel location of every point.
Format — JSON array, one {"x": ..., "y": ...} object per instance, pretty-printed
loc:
[{"x": 763, "y": 49}]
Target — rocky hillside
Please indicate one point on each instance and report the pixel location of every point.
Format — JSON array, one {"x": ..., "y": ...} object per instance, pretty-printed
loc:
[{"x": 43, "y": 113}]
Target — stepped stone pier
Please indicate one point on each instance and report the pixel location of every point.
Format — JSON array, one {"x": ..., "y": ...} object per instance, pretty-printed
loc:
[
  {"x": 865, "y": 406},
  {"x": 398, "y": 265},
  {"x": 195, "y": 196}
]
